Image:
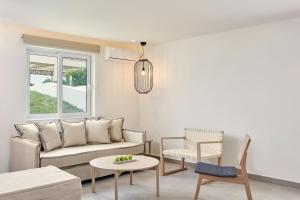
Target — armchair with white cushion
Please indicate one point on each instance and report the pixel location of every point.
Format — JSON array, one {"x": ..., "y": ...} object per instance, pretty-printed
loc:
[{"x": 198, "y": 144}]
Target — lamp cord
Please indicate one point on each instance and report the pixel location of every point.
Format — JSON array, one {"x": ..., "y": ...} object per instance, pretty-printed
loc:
[{"x": 142, "y": 53}]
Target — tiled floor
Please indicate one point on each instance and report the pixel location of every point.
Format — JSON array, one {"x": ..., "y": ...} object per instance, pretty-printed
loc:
[{"x": 181, "y": 186}]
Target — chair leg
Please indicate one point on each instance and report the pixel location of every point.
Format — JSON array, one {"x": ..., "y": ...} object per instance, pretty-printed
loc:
[
  {"x": 198, "y": 187},
  {"x": 182, "y": 168},
  {"x": 247, "y": 187}
]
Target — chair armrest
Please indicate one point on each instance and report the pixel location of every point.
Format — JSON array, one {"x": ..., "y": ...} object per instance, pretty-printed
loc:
[
  {"x": 210, "y": 142},
  {"x": 24, "y": 154},
  {"x": 164, "y": 138},
  {"x": 205, "y": 142},
  {"x": 134, "y": 136},
  {"x": 168, "y": 138}
]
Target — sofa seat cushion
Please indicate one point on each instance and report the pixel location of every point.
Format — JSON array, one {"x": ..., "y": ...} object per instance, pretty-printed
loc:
[{"x": 83, "y": 154}]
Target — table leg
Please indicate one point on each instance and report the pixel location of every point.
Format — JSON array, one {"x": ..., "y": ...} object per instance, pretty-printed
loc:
[
  {"x": 93, "y": 179},
  {"x": 116, "y": 185},
  {"x": 131, "y": 177},
  {"x": 157, "y": 180}
]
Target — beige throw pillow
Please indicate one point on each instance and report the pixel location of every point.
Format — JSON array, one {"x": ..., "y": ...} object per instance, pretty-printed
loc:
[
  {"x": 49, "y": 135},
  {"x": 74, "y": 133},
  {"x": 97, "y": 131},
  {"x": 115, "y": 130},
  {"x": 28, "y": 131}
]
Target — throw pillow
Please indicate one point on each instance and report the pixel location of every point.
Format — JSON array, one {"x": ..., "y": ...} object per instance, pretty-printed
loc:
[
  {"x": 28, "y": 131},
  {"x": 74, "y": 133},
  {"x": 115, "y": 130},
  {"x": 97, "y": 131},
  {"x": 49, "y": 135}
]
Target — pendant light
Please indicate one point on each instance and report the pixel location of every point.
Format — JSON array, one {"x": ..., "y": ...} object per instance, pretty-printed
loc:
[{"x": 143, "y": 74}]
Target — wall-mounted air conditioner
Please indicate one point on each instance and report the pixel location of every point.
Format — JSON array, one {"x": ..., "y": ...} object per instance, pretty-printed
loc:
[{"x": 120, "y": 54}]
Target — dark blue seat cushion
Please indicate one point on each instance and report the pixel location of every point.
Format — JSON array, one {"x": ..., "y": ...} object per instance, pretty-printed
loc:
[{"x": 215, "y": 170}]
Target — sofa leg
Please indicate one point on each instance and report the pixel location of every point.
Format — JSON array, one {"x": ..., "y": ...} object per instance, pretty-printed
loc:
[
  {"x": 182, "y": 163},
  {"x": 219, "y": 161}
]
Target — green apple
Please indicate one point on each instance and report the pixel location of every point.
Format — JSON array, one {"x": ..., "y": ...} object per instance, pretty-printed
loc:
[{"x": 130, "y": 157}]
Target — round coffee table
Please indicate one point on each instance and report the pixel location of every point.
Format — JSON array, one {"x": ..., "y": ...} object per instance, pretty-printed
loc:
[{"x": 141, "y": 163}]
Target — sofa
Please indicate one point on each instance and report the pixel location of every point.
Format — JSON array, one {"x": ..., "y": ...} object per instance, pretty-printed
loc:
[{"x": 26, "y": 153}]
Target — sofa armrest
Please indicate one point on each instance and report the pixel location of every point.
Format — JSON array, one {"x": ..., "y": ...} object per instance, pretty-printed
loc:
[
  {"x": 24, "y": 154},
  {"x": 134, "y": 136}
]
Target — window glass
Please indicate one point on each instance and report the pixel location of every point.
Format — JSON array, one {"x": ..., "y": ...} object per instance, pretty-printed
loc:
[
  {"x": 43, "y": 84},
  {"x": 74, "y": 85}
]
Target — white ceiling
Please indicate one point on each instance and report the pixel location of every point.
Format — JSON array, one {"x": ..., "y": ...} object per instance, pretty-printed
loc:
[{"x": 150, "y": 20}]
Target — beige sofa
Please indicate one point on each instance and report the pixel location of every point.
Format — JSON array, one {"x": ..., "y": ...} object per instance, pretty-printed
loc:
[{"x": 26, "y": 154}]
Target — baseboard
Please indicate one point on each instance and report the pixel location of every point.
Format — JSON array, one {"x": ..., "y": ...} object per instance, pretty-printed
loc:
[
  {"x": 274, "y": 180},
  {"x": 251, "y": 176}
]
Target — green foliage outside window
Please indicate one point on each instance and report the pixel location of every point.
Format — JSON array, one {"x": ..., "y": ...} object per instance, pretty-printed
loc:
[{"x": 78, "y": 77}]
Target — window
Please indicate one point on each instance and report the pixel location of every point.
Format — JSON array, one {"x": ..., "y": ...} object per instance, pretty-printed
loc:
[{"x": 58, "y": 84}]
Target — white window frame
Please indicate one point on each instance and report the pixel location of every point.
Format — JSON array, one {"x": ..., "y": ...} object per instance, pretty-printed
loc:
[{"x": 60, "y": 54}]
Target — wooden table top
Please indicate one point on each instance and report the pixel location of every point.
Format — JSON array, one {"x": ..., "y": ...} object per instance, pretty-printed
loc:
[{"x": 141, "y": 162}]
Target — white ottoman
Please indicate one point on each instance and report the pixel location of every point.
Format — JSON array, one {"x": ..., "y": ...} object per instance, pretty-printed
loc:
[{"x": 46, "y": 183}]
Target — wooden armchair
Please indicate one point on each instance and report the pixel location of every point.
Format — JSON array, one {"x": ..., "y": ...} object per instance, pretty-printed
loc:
[
  {"x": 198, "y": 144},
  {"x": 226, "y": 174}
]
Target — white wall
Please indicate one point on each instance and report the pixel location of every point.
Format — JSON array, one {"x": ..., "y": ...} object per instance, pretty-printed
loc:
[
  {"x": 13, "y": 87},
  {"x": 241, "y": 81},
  {"x": 115, "y": 94},
  {"x": 114, "y": 89}
]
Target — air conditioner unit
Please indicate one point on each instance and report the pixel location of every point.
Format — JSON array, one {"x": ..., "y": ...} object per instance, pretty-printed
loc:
[{"x": 120, "y": 54}]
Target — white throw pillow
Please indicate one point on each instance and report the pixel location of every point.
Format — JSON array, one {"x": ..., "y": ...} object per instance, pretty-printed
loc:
[
  {"x": 49, "y": 135},
  {"x": 28, "y": 131},
  {"x": 97, "y": 131},
  {"x": 74, "y": 133},
  {"x": 115, "y": 130}
]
